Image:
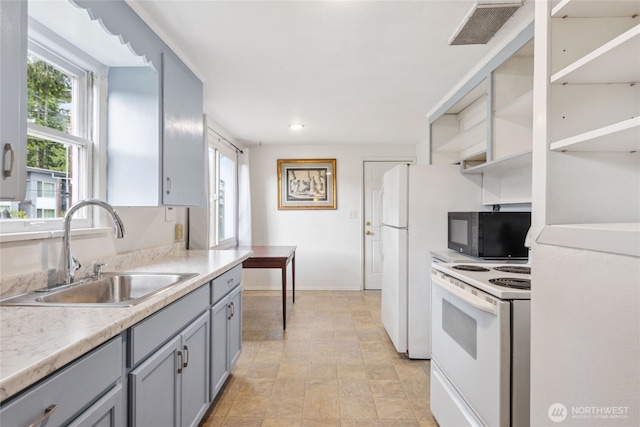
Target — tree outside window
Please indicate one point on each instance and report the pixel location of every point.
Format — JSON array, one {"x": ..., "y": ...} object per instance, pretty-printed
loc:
[{"x": 49, "y": 105}]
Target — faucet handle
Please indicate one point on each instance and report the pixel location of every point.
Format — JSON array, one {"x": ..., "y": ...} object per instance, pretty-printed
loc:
[
  {"x": 97, "y": 269},
  {"x": 74, "y": 265}
]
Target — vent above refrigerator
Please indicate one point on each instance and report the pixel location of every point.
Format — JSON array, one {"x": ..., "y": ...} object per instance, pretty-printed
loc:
[{"x": 483, "y": 21}]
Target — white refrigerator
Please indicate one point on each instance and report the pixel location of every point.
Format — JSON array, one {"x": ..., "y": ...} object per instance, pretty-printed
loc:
[{"x": 415, "y": 202}]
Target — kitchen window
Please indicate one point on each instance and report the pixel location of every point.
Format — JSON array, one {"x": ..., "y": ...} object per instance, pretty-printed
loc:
[
  {"x": 60, "y": 113},
  {"x": 223, "y": 192}
]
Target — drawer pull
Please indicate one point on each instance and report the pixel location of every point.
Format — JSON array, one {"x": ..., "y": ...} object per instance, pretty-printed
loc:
[
  {"x": 230, "y": 282},
  {"x": 47, "y": 413},
  {"x": 180, "y": 365},
  {"x": 186, "y": 361}
]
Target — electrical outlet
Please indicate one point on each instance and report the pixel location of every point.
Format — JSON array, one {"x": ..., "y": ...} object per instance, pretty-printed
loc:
[{"x": 169, "y": 214}]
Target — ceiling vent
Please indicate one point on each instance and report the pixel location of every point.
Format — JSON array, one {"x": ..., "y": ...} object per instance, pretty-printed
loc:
[{"x": 483, "y": 21}]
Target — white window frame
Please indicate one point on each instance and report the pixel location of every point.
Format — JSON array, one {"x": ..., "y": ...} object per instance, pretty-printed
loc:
[
  {"x": 57, "y": 51},
  {"x": 220, "y": 147}
]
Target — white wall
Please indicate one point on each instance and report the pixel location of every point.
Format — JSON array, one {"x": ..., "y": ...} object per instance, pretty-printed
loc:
[
  {"x": 145, "y": 228},
  {"x": 585, "y": 337},
  {"x": 329, "y": 254}
]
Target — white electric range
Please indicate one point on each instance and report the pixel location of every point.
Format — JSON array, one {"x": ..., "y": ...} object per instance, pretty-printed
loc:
[{"x": 480, "y": 344}]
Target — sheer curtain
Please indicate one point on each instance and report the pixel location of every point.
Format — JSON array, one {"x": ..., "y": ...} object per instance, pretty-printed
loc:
[{"x": 244, "y": 199}]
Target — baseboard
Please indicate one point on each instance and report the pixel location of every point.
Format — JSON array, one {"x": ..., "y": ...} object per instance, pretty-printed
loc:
[{"x": 253, "y": 287}]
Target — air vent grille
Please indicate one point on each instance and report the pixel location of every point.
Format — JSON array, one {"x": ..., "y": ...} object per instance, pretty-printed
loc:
[{"x": 483, "y": 23}]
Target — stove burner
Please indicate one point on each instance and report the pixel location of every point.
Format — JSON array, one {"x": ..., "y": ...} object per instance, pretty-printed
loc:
[
  {"x": 466, "y": 267},
  {"x": 523, "y": 269},
  {"x": 512, "y": 282}
]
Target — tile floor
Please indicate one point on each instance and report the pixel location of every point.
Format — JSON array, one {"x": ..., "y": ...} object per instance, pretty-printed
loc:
[{"x": 333, "y": 366}]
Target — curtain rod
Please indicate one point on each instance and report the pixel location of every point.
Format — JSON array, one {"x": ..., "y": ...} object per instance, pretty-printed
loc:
[{"x": 227, "y": 141}]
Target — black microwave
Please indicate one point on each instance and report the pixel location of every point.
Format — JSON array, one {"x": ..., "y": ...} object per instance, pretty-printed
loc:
[{"x": 489, "y": 235}]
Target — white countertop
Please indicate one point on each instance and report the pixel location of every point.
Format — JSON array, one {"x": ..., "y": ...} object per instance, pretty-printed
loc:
[{"x": 36, "y": 341}]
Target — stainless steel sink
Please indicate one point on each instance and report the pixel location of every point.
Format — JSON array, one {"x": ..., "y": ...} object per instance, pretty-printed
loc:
[{"x": 111, "y": 290}]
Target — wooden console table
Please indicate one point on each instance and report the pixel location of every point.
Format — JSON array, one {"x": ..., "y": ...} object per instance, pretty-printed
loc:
[{"x": 275, "y": 257}]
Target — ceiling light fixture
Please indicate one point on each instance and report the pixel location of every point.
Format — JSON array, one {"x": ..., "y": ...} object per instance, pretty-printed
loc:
[{"x": 296, "y": 126}]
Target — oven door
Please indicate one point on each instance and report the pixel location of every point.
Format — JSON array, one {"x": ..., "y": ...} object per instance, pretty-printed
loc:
[{"x": 471, "y": 346}]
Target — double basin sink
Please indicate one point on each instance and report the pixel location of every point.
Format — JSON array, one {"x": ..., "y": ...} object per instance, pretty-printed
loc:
[{"x": 109, "y": 290}]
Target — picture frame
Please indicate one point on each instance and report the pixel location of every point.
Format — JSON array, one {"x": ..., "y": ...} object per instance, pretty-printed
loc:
[{"x": 306, "y": 184}]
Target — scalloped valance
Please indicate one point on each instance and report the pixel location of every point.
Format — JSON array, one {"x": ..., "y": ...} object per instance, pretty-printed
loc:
[{"x": 118, "y": 19}]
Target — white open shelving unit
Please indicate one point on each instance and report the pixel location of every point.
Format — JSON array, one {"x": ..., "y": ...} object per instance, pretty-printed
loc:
[
  {"x": 593, "y": 127},
  {"x": 486, "y": 127}
]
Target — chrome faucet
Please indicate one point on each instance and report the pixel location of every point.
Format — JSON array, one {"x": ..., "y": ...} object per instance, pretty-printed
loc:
[{"x": 69, "y": 262}]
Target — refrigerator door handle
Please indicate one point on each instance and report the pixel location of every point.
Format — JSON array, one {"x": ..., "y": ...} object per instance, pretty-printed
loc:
[{"x": 380, "y": 210}]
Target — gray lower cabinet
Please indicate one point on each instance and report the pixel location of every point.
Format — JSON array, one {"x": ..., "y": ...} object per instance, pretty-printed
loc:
[
  {"x": 226, "y": 327},
  {"x": 169, "y": 361},
  {"x": 107, "y": 412},
  {"x": 163, "y": 371},
  {"x": 171, "y": 387},
  {"x": 87, "y": 392},
  {"x": 219, "y": 349},
  {"x": 235, "y": 326},
  {"x": 155, "y": 391},
  {"x": 195, "y": 371}
]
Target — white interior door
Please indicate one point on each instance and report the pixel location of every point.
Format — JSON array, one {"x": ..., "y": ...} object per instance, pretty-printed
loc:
[{"x": 373, "y": 171}]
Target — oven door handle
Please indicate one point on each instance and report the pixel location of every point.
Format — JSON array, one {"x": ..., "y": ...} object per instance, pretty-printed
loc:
[{"x": 472, "y": 300}]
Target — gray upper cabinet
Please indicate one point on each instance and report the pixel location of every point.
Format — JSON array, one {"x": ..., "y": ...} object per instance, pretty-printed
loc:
[
  {"x": 13, "y": 102},
  {"x": 155, "y": 154},
  {"x": 183, "y": 135},
  {"x": 155, "y": 127}
]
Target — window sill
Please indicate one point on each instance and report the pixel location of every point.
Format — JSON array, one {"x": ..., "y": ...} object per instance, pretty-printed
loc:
[{"x": 51, "y": 234}]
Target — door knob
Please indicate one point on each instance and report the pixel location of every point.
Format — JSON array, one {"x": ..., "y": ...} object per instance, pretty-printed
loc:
[{"x": 368, "y": 232}]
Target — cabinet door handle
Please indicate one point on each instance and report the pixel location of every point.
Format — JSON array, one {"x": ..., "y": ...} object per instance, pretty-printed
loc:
[
  {"x": 8, "y": 171},
  {"x": 168, "y": 185},
  {"x": 42, "y": 418},
  {"x": 229, "y": 311},
  {"x": 186, "y": 353},
  {"x": 181, "y": 362},
  {"x": 233, "y": 309}
]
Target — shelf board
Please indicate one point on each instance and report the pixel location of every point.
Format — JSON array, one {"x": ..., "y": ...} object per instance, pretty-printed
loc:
[
  {"x": 473, "y": 96},
  {"x": 515, "y": 161},
  {"x": 596, "y": 67},
  {"x": 616, "y": 238},
  {"x": 505, "y": 201},
  {"x": 472, "y": 136},
  {"x": 519, "y": 111},
  {"x": 595, "y": 9},
  {"x": 474, "y": 160},
  {"x": 622, "y": 136}
]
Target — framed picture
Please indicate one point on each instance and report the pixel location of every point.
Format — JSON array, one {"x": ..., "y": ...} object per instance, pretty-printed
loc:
[{"x": 307, "y": 184}]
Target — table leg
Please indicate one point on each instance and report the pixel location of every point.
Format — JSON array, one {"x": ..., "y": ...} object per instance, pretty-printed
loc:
[
  {"x": 293, "y": 276},
  {"x": 284, "y": 296}
]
